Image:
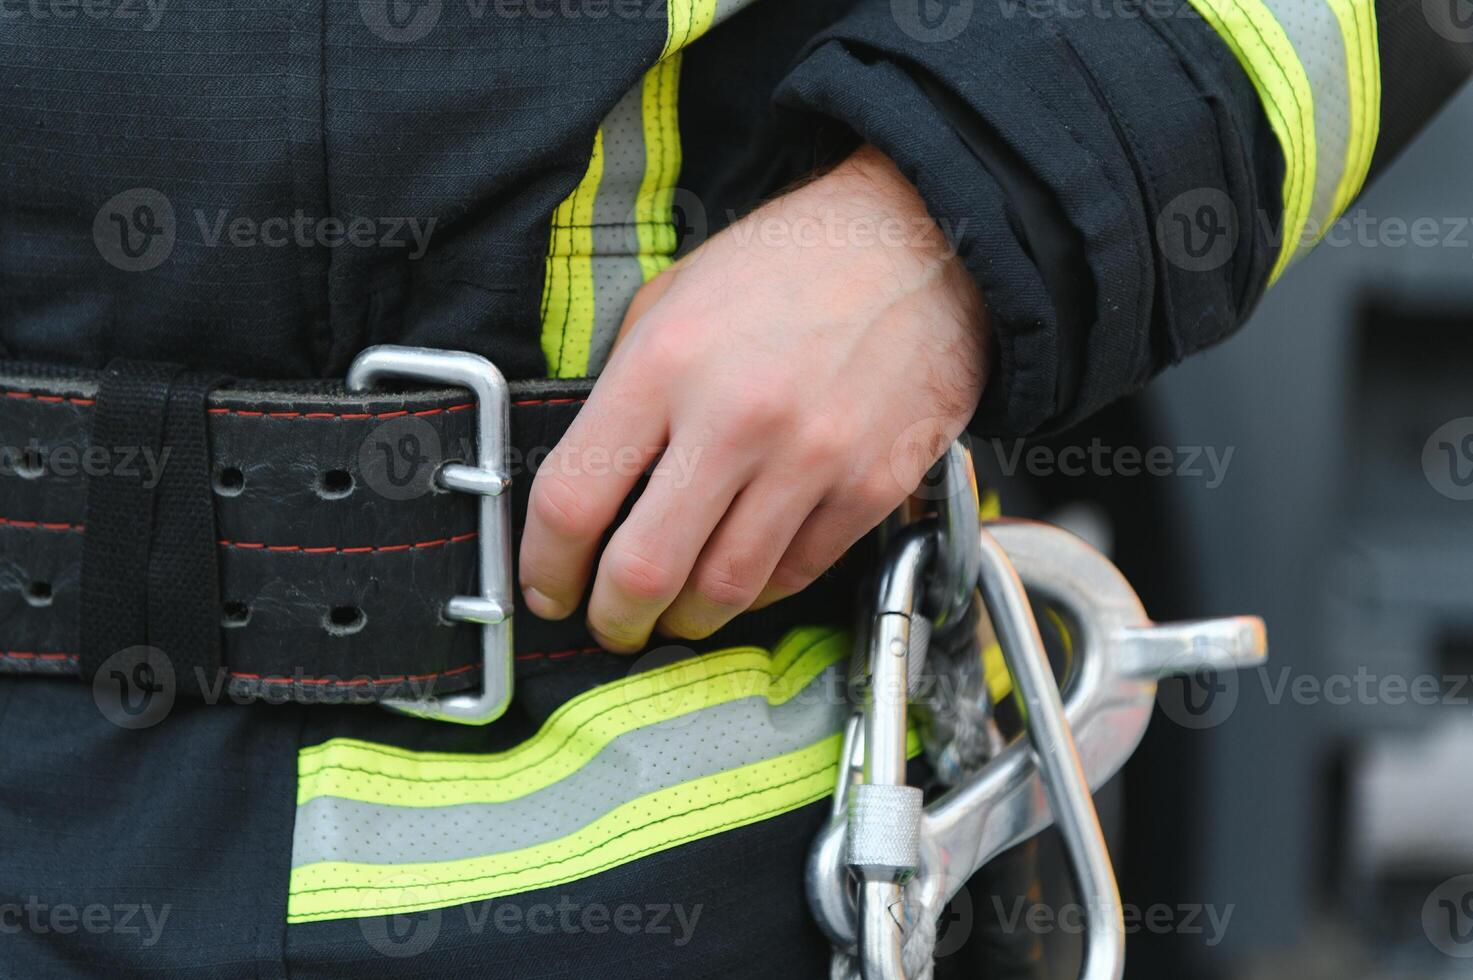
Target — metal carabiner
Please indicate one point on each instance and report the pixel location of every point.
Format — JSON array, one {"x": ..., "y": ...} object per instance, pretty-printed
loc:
[
  {"x": 1106, "y": 704},
  {"x": 928, "y": 577},
  {"x": 884, "y": 813}
]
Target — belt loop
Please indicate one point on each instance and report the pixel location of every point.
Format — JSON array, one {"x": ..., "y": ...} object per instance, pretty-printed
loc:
[{"x": 149, "y": 560}]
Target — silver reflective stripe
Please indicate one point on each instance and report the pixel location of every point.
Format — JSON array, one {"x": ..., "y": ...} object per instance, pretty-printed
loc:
[
  {"x": 714, "y": 739},
  {"x": 617, "y": 272},
  {"x": 1314, "y": 31},
  {"x": 1316, "y": 67}
]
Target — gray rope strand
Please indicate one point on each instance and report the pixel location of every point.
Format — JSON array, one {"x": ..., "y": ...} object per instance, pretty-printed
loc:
[{"x": 918, "y": 949}]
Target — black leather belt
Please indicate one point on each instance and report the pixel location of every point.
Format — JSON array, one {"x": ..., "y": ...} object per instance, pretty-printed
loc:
[{"x": 339, "y": 548}]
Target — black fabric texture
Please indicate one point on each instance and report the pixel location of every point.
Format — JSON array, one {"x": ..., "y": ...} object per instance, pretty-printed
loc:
[
  {"x": 201, "y": 847},
  {"x": 1051, "y": 91},
  {"x": 1426, "y": 56}
]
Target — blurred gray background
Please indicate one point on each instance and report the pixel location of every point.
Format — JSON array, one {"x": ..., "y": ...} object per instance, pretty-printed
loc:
[
  {"x": 1333, "y": 808},
  {"x": 1311, "y": 820}
]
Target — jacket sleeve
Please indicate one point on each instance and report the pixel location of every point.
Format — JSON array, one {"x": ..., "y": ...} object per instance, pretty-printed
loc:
[{"x": 1125, "y": 178}]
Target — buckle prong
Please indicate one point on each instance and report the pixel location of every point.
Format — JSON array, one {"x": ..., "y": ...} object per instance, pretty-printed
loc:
[{"x": 488, "y": 478}]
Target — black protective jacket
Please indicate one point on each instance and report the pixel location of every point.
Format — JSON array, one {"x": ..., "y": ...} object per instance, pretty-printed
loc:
[{"x": 266, "y": 188}]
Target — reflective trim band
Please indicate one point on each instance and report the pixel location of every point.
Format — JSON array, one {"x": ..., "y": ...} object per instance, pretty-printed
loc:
[
  {"x": 572, "y": 736},
  {"x": 653, "y": 218},
  {"x": 1316, "y": 68},
  {"x": 634, "y": 764},
  {"x": 634, "y": 767},
  {"x": 567, "y": 285},
  {"x": 1357, "y": 20},
  {"x": 335, "y": 890},
  {"x": 685, "y": 21},
  {"x": 616, "y": 231}
]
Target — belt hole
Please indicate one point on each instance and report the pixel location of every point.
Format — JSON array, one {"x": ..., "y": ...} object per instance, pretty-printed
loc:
[
  {"x": 344, "y": 620},
  {"x": 334, "y": 484},
  {"x": 229, "y": 481},
  {"x": 38, "y": 594},
  {"x": 29, "y": 465},
  {"x": 234, "y": 614}
]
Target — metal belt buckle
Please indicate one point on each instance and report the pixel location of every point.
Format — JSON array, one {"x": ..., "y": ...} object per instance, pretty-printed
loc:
[{"x": 490, "y": 478}]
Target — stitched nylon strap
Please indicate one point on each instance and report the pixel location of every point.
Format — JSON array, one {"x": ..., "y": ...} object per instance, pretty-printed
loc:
[
  {"x": 149, "y": 574},
  {"x": 334, "y": 554},
  {"x": 636, "y": 766},
  {"x": 1316, "y": 66}
]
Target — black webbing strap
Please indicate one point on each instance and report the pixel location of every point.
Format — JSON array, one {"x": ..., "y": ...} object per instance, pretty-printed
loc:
[
  {"x": 149, "y": 571},
  {"x": 329, "y": 578}
]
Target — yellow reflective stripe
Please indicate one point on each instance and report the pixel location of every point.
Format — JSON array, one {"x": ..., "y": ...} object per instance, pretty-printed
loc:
[
  {"x": 574, "y": 734},
  {"x": 1263, "y": 49},
  {"x": 690, "y": 811},
  {"x": 567, "y": 285},
  {"x": 660, "y": 98},
  {"x": 685, "y": 21},
  {"x": 1357, "y": 19},
  {"x": 569, "y": 310}
]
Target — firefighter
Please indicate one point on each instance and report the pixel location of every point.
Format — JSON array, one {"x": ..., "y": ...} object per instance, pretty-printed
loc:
[{"x": 801, "y": 247}]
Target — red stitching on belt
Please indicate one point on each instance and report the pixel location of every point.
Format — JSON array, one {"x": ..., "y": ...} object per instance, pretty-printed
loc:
[
  {"x": 40, "y": 525},
  {"x": 558, "y": 654},
  {"x": 356, "y": 682},
  {"x": 397, "y": 413},
  {"x": 351, "y": 416},
  {"x": 548, "y": 401},
  {"x": 363, "y": 549},
  {"x": 50, "y": 399},
  {"x": 261, "y": 546}
]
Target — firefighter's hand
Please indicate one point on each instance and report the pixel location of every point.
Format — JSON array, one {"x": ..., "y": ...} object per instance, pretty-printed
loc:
[{"x": 795, "y": 377}]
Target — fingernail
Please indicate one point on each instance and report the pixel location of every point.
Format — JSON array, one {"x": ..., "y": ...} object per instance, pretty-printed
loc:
[{"x": 542, "y": 606}]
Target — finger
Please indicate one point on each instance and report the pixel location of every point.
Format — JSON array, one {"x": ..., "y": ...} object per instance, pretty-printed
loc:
[
  {"x": 830, "y": 531},
  {"x": 643, "y": 301},
  {"x": 740, "y": 557},
  {"x": 578, "y": 491},
  {"x": 651, "y": 555}
]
